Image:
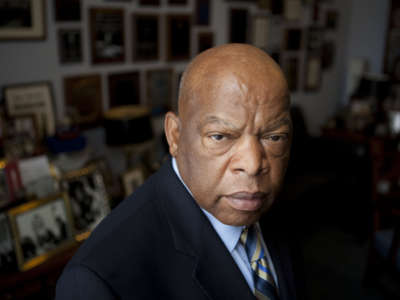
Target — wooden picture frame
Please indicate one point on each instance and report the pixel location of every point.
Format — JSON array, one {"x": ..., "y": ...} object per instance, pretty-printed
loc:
[
  {"x": 159, "y": 89},
  {"x": 202, "y": 12},
  {"x": 41, "y": 229},
  {"x": 205, "y": 40},
  {"x": 32, "y": 98},
  {"x": 178, "y": 37},
  {"x": 145, "y": 37},
  {"x": 8, "y": 261},
  {"x": 88, "y": 198},
  {"x": 67, "y": 10},
  {"x": 70, "y": 45},
  {"x": 107, "y": 35},
  {"x": 83, "y": 99},
  {"x": 22, "y": 20},
  {"x": 238, "y": 25},
  {"x": 132, "y": 179},
  {"x": 124, "y": 88}
]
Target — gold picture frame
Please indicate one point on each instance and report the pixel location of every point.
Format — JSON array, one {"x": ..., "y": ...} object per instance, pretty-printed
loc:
[{"x": 41, "y": 229}]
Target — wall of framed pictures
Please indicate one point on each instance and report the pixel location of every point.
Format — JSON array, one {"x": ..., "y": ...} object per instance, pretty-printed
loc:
[{"x": 103, "y": 37}]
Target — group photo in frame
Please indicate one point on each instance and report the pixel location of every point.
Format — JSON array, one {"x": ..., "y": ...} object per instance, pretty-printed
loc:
[
  {"x": 32, "y": 99},
  {"x": 41, "y": 229},
  {"x": 107, "y": 35},
  {"x": 22, "y": 20},
  {"x": 145, "y": 35},
  {"x": 88, "y": 197}
]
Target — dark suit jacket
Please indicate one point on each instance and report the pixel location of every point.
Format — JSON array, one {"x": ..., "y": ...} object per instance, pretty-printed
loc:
[{"x": 158, "y": 244}]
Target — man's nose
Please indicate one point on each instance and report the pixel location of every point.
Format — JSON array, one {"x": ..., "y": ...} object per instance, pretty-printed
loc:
[{"x": 250, "y": 157}]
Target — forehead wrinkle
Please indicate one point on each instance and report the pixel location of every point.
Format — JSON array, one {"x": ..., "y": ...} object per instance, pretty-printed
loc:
[{"x": 218, "y": 120}]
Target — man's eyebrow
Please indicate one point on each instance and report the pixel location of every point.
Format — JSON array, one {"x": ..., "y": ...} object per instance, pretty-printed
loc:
[
  {"x": 279, "y": 123},
  {"x": 215, "y": 119}
]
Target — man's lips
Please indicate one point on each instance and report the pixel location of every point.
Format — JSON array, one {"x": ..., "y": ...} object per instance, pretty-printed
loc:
[{"x": 246, "y": 201}]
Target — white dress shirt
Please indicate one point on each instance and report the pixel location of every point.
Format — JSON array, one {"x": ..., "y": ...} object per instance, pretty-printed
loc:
[{"x": 230, "y": 236}]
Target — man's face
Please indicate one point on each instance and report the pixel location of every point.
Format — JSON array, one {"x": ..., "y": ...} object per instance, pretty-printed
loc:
[{"x": 233, "y": 147}]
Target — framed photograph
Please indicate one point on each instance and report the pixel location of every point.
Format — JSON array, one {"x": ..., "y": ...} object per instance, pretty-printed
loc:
[
  {"x": 149, "y": 2},
  {"x": 70, "y": 45},
  {"x": 145, "y": 44},
  {"x": 22, "y": 20},
  {"x": 83, "y": 99},
  {"x": 8, "y": 259},
  {"x": 159, "y": 89},
  {"x": 291, "y": 70},
  {"x": 313, "y": 73},
  {"x": 107, "y": 35},
  {"x": 260, "y": 31},
  {"x": 177, "y": 2},
  {"x": 88, "y": 197},
  {"x": 124, "y": 88},
  {"x": 202, "y": 12},
  {"x": 41, "y": 229},
  {"x": 293, "y": 39},
  {"x": 178, "y": 37},
  {"x": 132, "y": 179},
  {"x": 67, "y": 10},
  {"x": 205, "y": 40},
  {"x": 238, "y": 22},
  {"x": 315, "y": 39},
  {"x": 32, "y": 99}
]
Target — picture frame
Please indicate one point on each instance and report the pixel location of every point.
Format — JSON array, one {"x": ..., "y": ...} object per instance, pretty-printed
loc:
[
  {"x": 331, "y": 19},
  {"x": 159, "y": 89},
  {"x": 67, "y": 10},
  {"x": 32, "y": 98},
  {"x": 202, "y": 12},
  {"x": 205, "y": 40},
  {"x": 88, "y": 197},
  {"x": 238, "y": 25},
  {"x": 124, "y": 88},
  {"x": 70, "y": 45},
  {"x": 177, "y": 2},
  {"x": 107, "y": 35},
  {"x": 5, "y": 193},
  {"x": 293, "y": 39},
  {"x": 83, "y": 99},
  {"x": 8, "y": 259},
  {"x": 41, "y": 229},
  {"x": 132, "y": 179},
  {"x": 149, "y": 2},
  {"x": 178, "y": 37},
  {"x": 313, "y": 73},
  {"x": 14, "y": 180},
  {"x": 22, "y": 20},
  {"x": 291, "y": 70},
  {"x": 145, "y": 37}
]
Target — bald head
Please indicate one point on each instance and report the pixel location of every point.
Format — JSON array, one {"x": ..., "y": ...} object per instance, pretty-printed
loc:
[{"x": 212, "y": 66}]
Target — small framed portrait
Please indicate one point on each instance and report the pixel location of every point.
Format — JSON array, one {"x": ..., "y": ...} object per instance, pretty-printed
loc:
[
  {"x": 159, "y": 89},
  {"x": 178, "y": 37},
  {"x": 32, "y": 99},
  {"x": 238, "y": 25},
  {"x": 22, "y": 20},
  {"x": 8, "y": 259},
  {"x": 202, "y": 12},
  {"x": 88, "y": 196},
  {"x": 132, "y": 179},
  {"x": 145, "y": 44},
  {"x": 41, "y": 229},
  {"x": 124, "y": 88},
  {"x": 205, "y": 41},
  {"x": 293, "y": 38},
  {"x": 83, "y": 99},
  {"x": 70, "y": 45},
  {"x": 149, "y": 2},
  {"x": 107, "y": 35},
  {"x": 67, "y": 10}
]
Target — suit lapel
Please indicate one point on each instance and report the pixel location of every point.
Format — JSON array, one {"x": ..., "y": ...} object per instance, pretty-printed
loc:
[{"x": 214, "y": 268}]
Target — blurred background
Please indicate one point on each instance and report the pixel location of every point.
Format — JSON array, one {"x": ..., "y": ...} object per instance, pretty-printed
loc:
[{"x": 84, "y": 88}]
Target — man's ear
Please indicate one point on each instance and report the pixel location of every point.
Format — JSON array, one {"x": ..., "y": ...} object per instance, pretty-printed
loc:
[{"x": 172, "y": 132}]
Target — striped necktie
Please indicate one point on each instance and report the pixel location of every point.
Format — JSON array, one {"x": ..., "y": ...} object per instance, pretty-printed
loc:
[{"x": 264, "y": 283}]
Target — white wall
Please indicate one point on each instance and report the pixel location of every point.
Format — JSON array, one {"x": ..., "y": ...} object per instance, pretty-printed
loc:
[{"x": 360, "y": 33}]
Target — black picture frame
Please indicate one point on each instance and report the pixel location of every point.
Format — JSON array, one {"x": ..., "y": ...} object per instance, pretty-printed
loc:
[
  {"x": 238, "y": 25},
  {"x": 293, "y": 39},
  {"x": 178, "y": 37},
  {"x": 124, "y": 88},
  {"x": 202, "y": 13},
  {"x": 70, "y": 46},
  {"x": 145, "y": 32},
  {"x": 205, "y": 40},
  {"x": 67, "y": 10}
]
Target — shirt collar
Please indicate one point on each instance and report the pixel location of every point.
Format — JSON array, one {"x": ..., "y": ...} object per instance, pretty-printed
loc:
[{"x": 229, "y": 234}]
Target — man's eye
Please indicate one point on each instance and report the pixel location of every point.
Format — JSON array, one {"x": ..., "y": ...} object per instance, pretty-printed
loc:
[
  {"x": 217, "y": 137},
  {"x": 277, "y": 137}
]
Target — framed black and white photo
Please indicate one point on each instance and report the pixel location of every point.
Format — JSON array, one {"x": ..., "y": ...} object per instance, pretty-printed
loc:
[
  {"x": 8, "y": 259},
  {"x": 88, "y": 196},
  {"x": 124, "y": 88},
  {"x": 67, "y": 10},
  {"x": 132, "y": 179},
  {"x": 32, "y": 98},
  {"x": 159, "y": 89},
  {"x": 22, "y": 20},
  {"x": 145, "y": 44},
  {"x": 107, "y": 35},
  {"x": 41, "y": 229},
  {"x": 70, "y": 45},
  {"x": 178, "y": 37}
]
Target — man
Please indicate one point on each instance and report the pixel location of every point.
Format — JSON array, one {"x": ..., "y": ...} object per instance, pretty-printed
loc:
[{"x": 185, "y": 234}]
